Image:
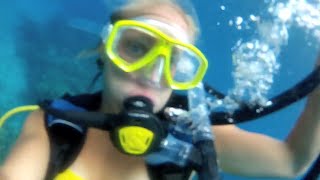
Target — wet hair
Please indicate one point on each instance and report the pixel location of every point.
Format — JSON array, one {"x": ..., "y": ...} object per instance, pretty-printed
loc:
[{"x": 133, "y": 8}]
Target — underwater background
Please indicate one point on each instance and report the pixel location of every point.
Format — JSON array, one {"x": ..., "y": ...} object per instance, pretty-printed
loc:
[{"x": 40, "y": 41}]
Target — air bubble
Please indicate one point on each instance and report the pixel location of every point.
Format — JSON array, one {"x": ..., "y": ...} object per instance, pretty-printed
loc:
[{"x": 255, "y": 61}]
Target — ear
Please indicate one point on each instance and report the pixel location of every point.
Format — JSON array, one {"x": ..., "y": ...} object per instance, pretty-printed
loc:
[{"x": 100, "y": 64}]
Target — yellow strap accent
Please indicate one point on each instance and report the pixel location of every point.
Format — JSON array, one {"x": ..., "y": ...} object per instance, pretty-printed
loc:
[
  {"x": 68, "y": 175},
  {"x": 16, "y": 110}
]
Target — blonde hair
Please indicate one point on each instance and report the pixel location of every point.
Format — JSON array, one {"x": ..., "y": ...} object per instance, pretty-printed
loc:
[{"x": 134, "y": 7}]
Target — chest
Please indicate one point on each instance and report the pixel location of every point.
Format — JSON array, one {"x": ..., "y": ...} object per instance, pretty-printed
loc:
[{"x": 100, "y": 160}]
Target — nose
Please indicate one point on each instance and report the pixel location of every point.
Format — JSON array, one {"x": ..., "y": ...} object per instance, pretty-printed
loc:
[{"x": 152, "y": 74}]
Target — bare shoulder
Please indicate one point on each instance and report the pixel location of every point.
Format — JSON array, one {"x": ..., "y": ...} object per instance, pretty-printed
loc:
[
  {"x": 34, "y": 124},
  {"x": 32, "y": 148}
]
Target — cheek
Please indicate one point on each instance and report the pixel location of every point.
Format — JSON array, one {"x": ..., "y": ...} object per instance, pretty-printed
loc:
[
  {"x": 162, "y": 99},
  {"x": 113, "y": 82},
  {"x": 113, "y": 75}
]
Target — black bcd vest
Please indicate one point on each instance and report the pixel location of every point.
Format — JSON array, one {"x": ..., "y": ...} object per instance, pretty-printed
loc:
[{"x": 66, "y": 143}]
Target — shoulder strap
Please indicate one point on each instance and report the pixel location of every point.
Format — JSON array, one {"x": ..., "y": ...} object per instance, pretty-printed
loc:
[
  {"x": 67, "y": 139},
  {"x": 64, "y": 148}
]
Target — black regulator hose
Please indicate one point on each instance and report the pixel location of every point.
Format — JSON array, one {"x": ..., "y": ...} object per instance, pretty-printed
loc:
[
  {"x": 247, "y": 113},
  {"x": 209, "y": 167}
]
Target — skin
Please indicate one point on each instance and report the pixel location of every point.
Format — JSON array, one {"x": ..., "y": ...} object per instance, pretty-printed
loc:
[
  {"x": 123, "y": 84},
  {"x": 249, "y": 154}
]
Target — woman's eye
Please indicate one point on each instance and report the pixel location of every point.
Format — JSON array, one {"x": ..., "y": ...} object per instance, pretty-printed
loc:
[{"x": 135, "y": 49}]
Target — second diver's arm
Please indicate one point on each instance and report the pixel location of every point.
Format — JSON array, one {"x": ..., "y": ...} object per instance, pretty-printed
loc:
[
  {"x": 256, "y": 155},
  {"x": 304, "y": 139}
]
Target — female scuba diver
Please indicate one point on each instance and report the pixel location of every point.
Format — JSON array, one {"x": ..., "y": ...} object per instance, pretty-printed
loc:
[{"x": 146, "y": 53}]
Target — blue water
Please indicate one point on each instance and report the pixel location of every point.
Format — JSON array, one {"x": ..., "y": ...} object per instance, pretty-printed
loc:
[{"x": 38, "y": 49}]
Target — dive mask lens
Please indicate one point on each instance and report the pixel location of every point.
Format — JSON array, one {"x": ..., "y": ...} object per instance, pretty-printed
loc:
[
  {"x": 187, "y": 66},
  {"x": 131, "y": 46},
  {"x": 184, "y": 66}
]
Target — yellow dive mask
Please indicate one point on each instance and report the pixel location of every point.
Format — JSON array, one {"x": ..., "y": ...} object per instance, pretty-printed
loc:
[{"x": 136, "y": 44}]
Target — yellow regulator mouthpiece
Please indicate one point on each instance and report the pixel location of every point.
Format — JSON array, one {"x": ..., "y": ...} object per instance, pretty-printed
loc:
[{"x": 135, "y": 140}]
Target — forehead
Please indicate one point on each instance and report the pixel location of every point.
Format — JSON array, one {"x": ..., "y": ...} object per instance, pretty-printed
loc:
[
  {"x": 165, "y": 12},
  {"x": 168, "y": 14},
  {"x": 172, "y": 31}
]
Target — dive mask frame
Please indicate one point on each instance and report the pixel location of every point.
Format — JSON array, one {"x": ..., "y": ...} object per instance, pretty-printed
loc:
[{"x": 163, "y": 47}]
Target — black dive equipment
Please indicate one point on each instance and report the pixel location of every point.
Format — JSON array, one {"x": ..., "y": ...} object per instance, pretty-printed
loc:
[
  {"x": 135, "y": 130},
  {"x": 137, "y": 124}
]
